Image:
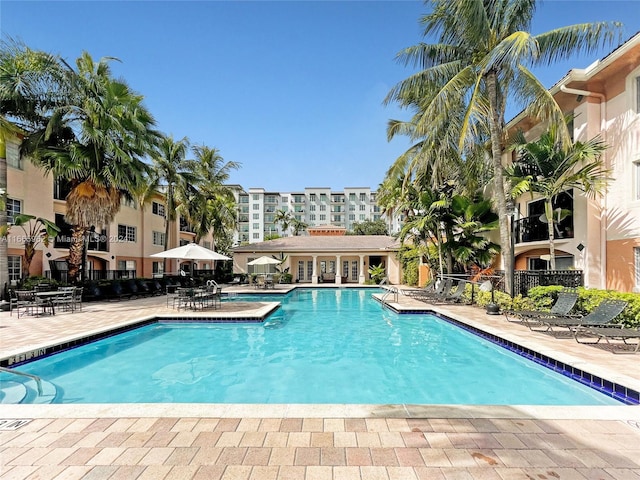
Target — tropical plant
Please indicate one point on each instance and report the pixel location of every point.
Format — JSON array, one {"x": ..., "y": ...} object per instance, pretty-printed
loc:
[
  {"x": 211, "y": 205},
  {"x": 36, "y": 230},
  {"x": 377, "y": 273},
  {"x": 370, "y": 227},
  {"x": 284, "y": 218},
  {"x": 170, "y": 175},
  {"x": 298, "y": 226},
  {"x": 547, "y": 167},
  {"x": 482, "y": 57}
]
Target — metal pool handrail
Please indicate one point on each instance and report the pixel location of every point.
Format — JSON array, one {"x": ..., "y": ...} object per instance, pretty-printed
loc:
[{"x": 37, "y": 379}]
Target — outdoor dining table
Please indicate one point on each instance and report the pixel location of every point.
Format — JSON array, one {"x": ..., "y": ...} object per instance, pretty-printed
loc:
[{"x": 49, "y": 297}]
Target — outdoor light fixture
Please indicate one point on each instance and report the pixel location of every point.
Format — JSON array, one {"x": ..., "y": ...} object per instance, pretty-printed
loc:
[
  {"x": 492, "y": 308},
  {"x": 580, "y": 247},
  {"x": 48, "y": 254}
]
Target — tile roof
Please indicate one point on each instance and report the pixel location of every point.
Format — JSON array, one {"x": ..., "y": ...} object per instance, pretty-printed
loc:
[{"x": 323, "y": 244}]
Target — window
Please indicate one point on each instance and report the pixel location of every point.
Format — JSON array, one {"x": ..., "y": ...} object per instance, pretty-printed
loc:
[
  {"x": 271, "y": 199},
  {"x": 256, "y": 226},
  {"x": 244, "y": 209},
  {"x": 158, "y": 269},
  {"x": 352, "y": 217},
  {"x": 256, "y": 236},
  {"x": 285, "y": 199},
  {"x": 14, "y": 159},
  {"x": 157, "y": 209},
  {"x": 363, "y": 197},
  {"x": 312, "y": 217},
  {"x": 636, "y": 181},
  {"x": 256, "y": 197},
  {"x": 323, "y": 197},
  {"x": 158, "y": 238},
  {"x": 323, "y": 208},
  {"x": 312, "y": 197},
  {"x": 312, "y": 208},
  {"x": 126, "y": 233},
  {"x": 363, "y": 208},
  {"x": 14, "y": 207},
  {"x": 323, "y": 217},
  {"x": 362, "y": 216},
  {"x": 636, "y": 255},
  {"x": 129, "y": 265},
  {"x": 352, "y": 197},
  {"x": 352, "y": 208},
  {"x": 256, "y": 216},
  {"x": 256, "y": 206},
  {"x": 15, "y": 268}
]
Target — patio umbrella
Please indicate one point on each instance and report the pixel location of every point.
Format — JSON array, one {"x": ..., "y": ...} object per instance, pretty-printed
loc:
[
  {"x": 191, "y": 251},
  {"x": 264, "y": 260}
]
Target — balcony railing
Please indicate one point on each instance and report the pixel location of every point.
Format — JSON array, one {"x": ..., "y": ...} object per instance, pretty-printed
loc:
[{"x": 531, "y": 229}]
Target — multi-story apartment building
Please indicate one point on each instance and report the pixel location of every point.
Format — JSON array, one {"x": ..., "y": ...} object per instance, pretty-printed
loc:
[
  {"x": 124, "y": 246},
  {"x": 601, "y": 236},
  {"x": 314, "y": 206}
]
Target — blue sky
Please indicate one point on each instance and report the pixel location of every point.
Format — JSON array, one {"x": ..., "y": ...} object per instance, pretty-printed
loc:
[{"x": 293, "y": 90}]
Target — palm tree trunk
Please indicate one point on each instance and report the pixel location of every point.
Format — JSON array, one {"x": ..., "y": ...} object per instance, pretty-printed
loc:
[
  {"x": 76, "y": 252},
  {"x": 4, "y": 260},
  {"x": 548, "y": 207},
  {"x": 500, "y": 192}
]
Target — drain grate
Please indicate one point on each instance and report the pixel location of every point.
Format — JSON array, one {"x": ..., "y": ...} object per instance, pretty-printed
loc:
[{"x": 13, "y": 423}]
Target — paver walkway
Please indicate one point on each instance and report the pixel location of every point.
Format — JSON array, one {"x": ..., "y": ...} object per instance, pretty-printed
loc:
[{"x": 308, "y": 442}]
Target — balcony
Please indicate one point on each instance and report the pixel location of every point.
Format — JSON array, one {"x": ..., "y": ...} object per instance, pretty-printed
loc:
[{"x": 532, "y": 229}]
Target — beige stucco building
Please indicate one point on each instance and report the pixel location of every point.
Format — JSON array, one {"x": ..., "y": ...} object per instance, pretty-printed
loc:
[
  {"x": 602, "y": 235},
  {"x": 125, "y": 245},
  {"x": 326, "y": 258}
]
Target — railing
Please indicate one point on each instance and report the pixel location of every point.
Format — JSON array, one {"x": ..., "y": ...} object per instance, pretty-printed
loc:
[
  {"x": 62, "y": 276},
  {"x": 531, "y": 229},
  {"x": 35, "y": 378},
  {"x": 524, "y": 280}
]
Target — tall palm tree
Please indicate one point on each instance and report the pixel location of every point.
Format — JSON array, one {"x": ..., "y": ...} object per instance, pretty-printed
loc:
[
  {"x": 30, "y": 85},
  {"x": 483, "y": 57},
  {"x": 284, "y": 218},
  {"x": 547, "y": 168},
  {"x": 170, "y": 175},
  {"x": 298, "y": 226},
  {"x": 106, "y": 131},
  {"x": 213, "y": 203}
]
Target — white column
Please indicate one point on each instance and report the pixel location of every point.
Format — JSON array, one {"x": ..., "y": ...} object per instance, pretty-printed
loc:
[
  {"x": 361, "y": 277},
  {"x": 314, "y": 275},
  {"x": 338, "y": 270}
]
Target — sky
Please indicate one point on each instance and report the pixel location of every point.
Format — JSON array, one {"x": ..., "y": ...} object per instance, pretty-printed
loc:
[{"x": 292, "y": 90}]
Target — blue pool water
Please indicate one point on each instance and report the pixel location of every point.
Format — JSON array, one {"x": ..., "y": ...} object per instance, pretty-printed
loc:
[{"x": 322, "y": 346}]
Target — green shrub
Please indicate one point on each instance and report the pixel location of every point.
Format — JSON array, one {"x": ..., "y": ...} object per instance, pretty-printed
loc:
[{"x": 588, "y": 298}]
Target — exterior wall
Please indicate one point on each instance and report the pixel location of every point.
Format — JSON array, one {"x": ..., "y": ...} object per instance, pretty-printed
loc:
[{"x": 620, "y": 264}]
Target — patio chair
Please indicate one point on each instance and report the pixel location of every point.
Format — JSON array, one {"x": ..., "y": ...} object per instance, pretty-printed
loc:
[
  {"x": 65, "y": 301},
  {"x": 609, "y": 333},
  {"x": 428, "y": 286},
  {"x": 457, "y": 294},
  {"x": 601, "y": 316},
  {"x": 561, "y": 308},
  {"x": 442, "y": 290}
]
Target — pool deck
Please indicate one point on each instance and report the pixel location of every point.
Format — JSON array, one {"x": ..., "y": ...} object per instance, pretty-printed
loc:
[{"x": 316, "y": 442}]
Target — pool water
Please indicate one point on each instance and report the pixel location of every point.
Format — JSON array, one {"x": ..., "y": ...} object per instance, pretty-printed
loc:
[{"x": 321, "y": 346}]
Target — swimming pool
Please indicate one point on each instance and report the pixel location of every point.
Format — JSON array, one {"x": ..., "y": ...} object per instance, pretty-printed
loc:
[{"x": 321, "y": 346}]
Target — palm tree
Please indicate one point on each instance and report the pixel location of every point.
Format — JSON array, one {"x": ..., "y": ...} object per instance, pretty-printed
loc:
[
  {"x": 284, "y": 218},
  {"x": 30, "y": 85},
  {"x": 482, "y": 58},
  {"x": 170, "y": 176},
  {"x": 103, "y": 132},
  {"x": 547, "y": 168},
  {"x": 298, "y": 226},
  {"x": 212, "y": 206},
  {"x": 36, "y": 230}
]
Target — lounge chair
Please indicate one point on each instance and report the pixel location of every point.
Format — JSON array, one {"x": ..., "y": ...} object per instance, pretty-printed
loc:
[
  {"x": 561, "y": 308},
  {"x": 601, "y": 316},
  {"x": 428, "y": 286},
  {"x": 610, "y": 333},
  {"x": 456, "y": 296},
  {"x": 441, "y": 291}
]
